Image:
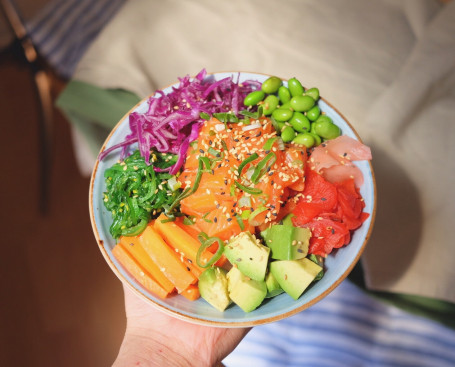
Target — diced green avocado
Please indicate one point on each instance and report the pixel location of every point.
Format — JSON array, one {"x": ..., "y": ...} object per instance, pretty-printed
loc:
[
  {"x": 287, "y": 220},
  {"x": 213, "y": 286},
  {"x": 287, "y": 242},
  {"x": 245, "y": 292},
  {"x": 294, "y": 276},
  {"x": 245, "y": 252},
  {"x": 273, "y": 287}
]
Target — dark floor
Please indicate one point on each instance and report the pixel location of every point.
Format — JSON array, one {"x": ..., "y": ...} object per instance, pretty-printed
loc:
[{"x": 60, "y": 303}]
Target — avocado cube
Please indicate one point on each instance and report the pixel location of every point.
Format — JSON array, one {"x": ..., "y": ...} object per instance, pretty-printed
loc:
[
  {"x": 273, "y": 287},
  {"x": 245, "y": 292},
  {"x": 245, "y": 252},
  {"x": 213, "y": 287},
  {"x": 287, "y": 242},
  {"x": 294, "y": 276}
]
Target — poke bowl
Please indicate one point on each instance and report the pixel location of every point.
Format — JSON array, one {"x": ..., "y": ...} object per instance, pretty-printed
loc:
[{"x": 336, "y": 265}]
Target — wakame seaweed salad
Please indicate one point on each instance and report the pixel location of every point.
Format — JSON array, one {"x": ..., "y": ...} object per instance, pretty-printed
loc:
[{"x": 137, "y": 192}]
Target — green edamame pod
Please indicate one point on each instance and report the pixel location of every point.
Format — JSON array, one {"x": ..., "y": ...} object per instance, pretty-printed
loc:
[
  {"x": 295, "y": 87},
  {"x": 271, "y": 85},
  {"x": 287, "y": 134},
  {"x": 282, "y": 114},
  {"x": 253, "y": 98},
  {"x": 314, "y": 113},
  {"x": 279, "y": 126},
  {"x": 304, "y": 139},
  {"x": 287, "y": 106},
  {"x": 302, "y": 103},
  {"x": 317, "y": 138},
  {"x": 284, "y": 94},
  {"x": 326, "y": 130},
  {"x": 270, "y": 104},
  {"x": 313, "y": 93},
  {"x": 324, "y": 118},
  {"x": 300, "y": 122}
]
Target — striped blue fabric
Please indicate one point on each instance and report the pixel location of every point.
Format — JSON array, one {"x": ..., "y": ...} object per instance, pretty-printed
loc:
[
  {"x": 64, "y": 29},
  {"x": 348, "y": 328}
]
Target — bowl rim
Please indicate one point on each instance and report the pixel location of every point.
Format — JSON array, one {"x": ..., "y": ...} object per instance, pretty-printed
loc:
[{"x": 229, "y": 324}]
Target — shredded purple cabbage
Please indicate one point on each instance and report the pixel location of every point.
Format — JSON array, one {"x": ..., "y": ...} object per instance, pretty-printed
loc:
[{"x": 173, "y": 120}]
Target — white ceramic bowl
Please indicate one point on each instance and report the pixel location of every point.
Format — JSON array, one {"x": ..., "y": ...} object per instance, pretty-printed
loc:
[{"x": 337, "y": 265}]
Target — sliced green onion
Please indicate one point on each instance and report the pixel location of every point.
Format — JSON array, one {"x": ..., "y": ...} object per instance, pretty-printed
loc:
[
  {"x": 249, "y": 190},
  {"x": 205, "y": 217},
  {"x": 254, "y": 214},
  {"x": 224, "y": 145},
  {"x": 214, "y": 152},
  {"x": 262, "y": 166},
  {"x": 206, "y": 244},
  {"x": 188, "y": 191},
  {"x": 226, "y": 117},
  {"x": 206, "y": 163},
  {"x": 168, "y": 219},
  {"x": 251, "y": 158},
  {"x": 202, "y": 236},
  {"x": 247, "y": 113},
  {"x": 173, "y": 184},
  {"x": 232, "y": 190},
  {"x": 188, "y": 221},
  {"x": 240, "y": 222},
  {"x": 269, "y": 143},
  {"x": 246, "y": 214},
  {"x": 204, "y": 116}
]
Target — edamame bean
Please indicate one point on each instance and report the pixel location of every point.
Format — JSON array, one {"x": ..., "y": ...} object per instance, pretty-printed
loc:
[
  {"x": 313, "y": 113},
  {"x": 282, "y": 114},
  {"x": 304, "y": 139},
  {"x": 302, "y": 103},
  {"x": 270, "y": 104},
  {"x": 271, "y": 85},
  {"x": 280, "y": 126},
  {"x": 317, "y": 138},
  {"x": 326, "y": 130},
  {"x": 324, "y": 118},
  {"x": 287, "y": 106},
  {"x": 295, "y": 87},
  {"x": 300, "y": 122},
  {"x": 313, "y": 93},
  {"x": 284, "y": 94},
  {"x": 287, "y": 134},
  {"x": 253, "y": 98}
]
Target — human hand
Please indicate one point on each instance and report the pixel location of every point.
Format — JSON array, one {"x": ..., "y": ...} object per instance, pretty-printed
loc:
[{"x": 153, "y": 338}]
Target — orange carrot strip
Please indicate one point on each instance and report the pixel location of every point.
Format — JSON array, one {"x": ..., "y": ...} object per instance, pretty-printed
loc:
[
  {"x": 166, "y": 259},
  {"x": 134, "y": 247},
  {"x": 196, "y": 270},
  {"x": 180, "y": 240},
  {"x": 139, "y": 273},
  {"x": 191, "y": 293}
]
